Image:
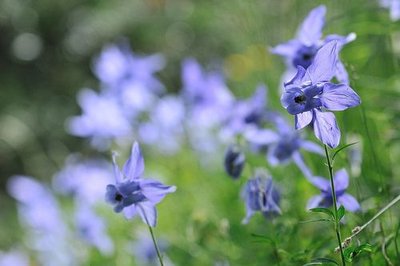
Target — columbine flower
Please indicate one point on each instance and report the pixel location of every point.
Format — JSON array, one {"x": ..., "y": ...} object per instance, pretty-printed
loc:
[
  {"x": 393, "y": 6},
  {"x": 302, "y": 50},
  {"x": 134, "y": 195},
  {"x": 309, "y": 93},
  {"x": 102, "y": 119},
  {"x": 260, "y": 194},
  {"x": 234, "y": 161},
  {"x": 341, "y": 181}
]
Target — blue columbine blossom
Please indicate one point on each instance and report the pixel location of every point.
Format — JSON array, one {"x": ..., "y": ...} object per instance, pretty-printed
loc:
[
  {"x": 393, "y": 6},
  {"x": 102, "y": 119},
  {"x": 260, "y": 194},
  {"x": 302, "y": 50},
  {"x": 310, "y": 93},
  {"x": 246, "y": 114},
  {"x": 283, "y": 145},
  {"x": 341, "y": 181},
  {"x": 234, "y": 161},
  {"x": 134, "y": 195}
]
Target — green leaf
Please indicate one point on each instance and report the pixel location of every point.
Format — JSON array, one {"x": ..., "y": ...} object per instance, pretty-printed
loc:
[
  {"x": 316, "y": 220},
  {"x": 351, "y": 252},
  {"x": 341, "y": 211},
  {"x": 323, "y": 210},
  {"x": 321, "y": 261},
  {"x": 261, "y": 238},
  {"x": 342, "y": 148}
]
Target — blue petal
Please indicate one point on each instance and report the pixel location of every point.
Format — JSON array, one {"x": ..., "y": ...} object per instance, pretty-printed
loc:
[
  {"x": 303, "y": 119},
  {"x": 349, "y": 202},
  {"x": 341, "y": 180},
  {"x": 148, "y": 213},
  {"x": 287, "y": 49},
  {"x": 154, "y": 190},
  {"x": 338, "y": 97},
  {"x": 324, "y": 66},
  {"x": 310, "y": 30},
  {"x": 314, "y": 201},
  {"x": 260, "y": 136},
  {"x": 312, "y": 147},
  {"x": 298, "y": 160},
  {"x": 341, "y": 73},
  {"x": 326, "y": 129},
  {"x": 130, "y": 211},
  {"x": 134, "y": 167},
  {"x": 300, "y": 77}
]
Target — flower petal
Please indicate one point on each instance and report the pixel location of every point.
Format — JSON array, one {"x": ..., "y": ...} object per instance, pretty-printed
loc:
[
  {"x": 154, "y": 190},
  {"x": 134, "y": 167},
  {"x": 310, "y": 30},
  {"x": 260, "y": 136},
  {"x": 339, "y": 97},
  {"x": 129, "y": 212},
  {"x": 341, "y": 73},
  {"x": 298, "y": 160},
  {"x": 312, "y": 147},
  {"x": 326, "y": 129},
  {"x": 299, "y": 78},
  {"x": 287, "y": 49},
  {"x": 349, "y": 202},
  {"x": 324, "y": 66},
  {"x": 303, "y": 119},
  {"x": 314, "y": 201},
  {"x": 321, "y": 183},
  {"x": 341, "y": 180},
  {"x": 148, "y": 213}
]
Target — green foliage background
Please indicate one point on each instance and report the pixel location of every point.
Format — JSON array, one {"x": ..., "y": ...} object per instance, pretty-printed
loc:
[{"x": 202, "y": 220}]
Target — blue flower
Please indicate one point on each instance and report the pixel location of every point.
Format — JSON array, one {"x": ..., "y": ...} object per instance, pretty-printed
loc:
[
  {"x": 341, "y": 181},
  {"x": 134, "y": 195},
  {"x": 260, "y": 194},
  {"x": 309, "y": 93},
  {"x": 234, "y": 161},
  {"x": 302, "y": 50}
]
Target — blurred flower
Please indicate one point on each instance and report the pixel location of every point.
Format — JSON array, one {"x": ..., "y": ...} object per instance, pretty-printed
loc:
[
  {"x": 134, "y": 195},
  {"x": 302, "y": 50},
  {"x": 310, "y": 92},
  {"x": 234, "y": 161},
  {"x": 341, "y": 181},
  {"x": 165, "y": 128},
  {"x": 92, "y": 229},
  {"x": 260, "y": 194},
  {"x": 145, "y": 252},
  {"x": 246, "y": 113},
  {"x": 393, "y": 6},
  {"x": 14, "y": 258},
  {"x": 209, "y": 103},
  {"x": 117, "y": 64},
  {"x": 40, "y": 214},
  {"x": 102, "y": 119},
  {"x": 84, "y": 179}
]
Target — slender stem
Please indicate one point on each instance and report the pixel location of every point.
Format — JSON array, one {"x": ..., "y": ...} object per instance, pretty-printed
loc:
[
  {"x": 152, "y": 237},
  {"x": 337, "y": 222}
]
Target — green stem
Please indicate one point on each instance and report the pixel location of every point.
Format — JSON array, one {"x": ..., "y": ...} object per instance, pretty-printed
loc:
[
  {"x": 337, "y": 222},
  {"x": 152, "y": 237}
]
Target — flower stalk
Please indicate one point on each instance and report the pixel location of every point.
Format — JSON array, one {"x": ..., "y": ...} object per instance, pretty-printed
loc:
[{"x": 335, "y": 210}]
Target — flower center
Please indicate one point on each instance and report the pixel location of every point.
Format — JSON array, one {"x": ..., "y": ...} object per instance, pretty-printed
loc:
[
  {"x": 300, "y": 98},
  {"x": 118, "y": 197}
]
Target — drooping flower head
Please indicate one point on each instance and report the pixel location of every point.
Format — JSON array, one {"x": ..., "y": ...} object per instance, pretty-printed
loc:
[
  {"x": 134, "y": 195},
  {"x": 302, "y": 50},
  {"x": 234, "y": 161},
  {"x": 341, "y": 181},
  {"x": 310, "y": 93},
  {"x": 260, "y": 194}
]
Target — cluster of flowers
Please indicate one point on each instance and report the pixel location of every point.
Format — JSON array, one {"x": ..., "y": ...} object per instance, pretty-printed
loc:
[{"x": 134, "y": 105}]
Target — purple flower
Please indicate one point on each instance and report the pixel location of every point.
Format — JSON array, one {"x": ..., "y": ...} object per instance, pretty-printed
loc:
[
  {"x": 302, "y": 50},
  {"x": 102, "y": 119},
  {"x": 92, "y": 229},
  {"x": 260, "y": 194},
  {"x": 234, "y": 161},
  {"x": 134, "y": 195},
  {"x": 341, "y": 181},
  {"x": 393, "y": 6},
  {"x": 14, "y": 258},
  {"x": 309, "y": 93},
  {"x": 84, "y": 179}
]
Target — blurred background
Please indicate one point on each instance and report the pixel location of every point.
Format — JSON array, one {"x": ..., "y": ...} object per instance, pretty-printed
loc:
[{"x": 47, "y": 53}]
